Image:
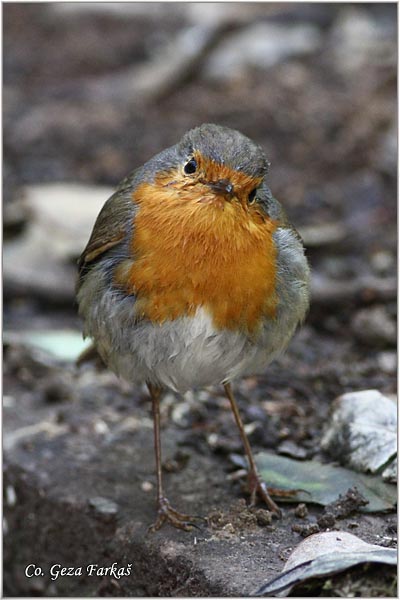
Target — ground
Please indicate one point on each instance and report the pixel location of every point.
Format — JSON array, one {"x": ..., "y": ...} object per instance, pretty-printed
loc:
[{"x": 79, "y": 467}]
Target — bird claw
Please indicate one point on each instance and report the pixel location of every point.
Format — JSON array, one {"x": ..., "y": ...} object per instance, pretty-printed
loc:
[
  {"x": 168, "y": 514},
  {"x": 258, "y": 488}
]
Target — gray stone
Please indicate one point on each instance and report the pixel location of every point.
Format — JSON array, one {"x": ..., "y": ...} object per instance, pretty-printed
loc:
[
  {"x": 362, "y": 432},
  {"x": 374, "y": 327}
]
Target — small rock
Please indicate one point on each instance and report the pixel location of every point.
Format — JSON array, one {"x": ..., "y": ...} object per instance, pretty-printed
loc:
[
  {"x": 228, "y": 528},
  {"x": 100, "y": 427},
  {"x": 301, "y": 511},
  {"x": 222, "y": 444},
  {"x": 305, "y": 530},
  {"x": 147, "y": 486},
  {"x": 326, "y": 521},
  {"x": 212, "y": 440},
  {"x": 11, "y": 496},
  {"x": 289, "y": 448},
  {"x": 382, "y": 262},
  {"x": 181, "y": 414},
  {"x": 374, "y": 327},
  {"x": 264, "y": 517},
  {"x": 362, "y": 430},
  {"x": 104, "y": 509},
  {"x": 8, "y": 401},
  {"x": 387, "y": 362}
]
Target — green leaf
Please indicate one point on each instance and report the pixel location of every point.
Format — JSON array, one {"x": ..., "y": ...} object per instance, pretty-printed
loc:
[{"x": 319, "y": 483}]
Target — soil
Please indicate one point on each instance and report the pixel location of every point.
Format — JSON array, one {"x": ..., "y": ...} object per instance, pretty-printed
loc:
[{"x": 79, "y": 478}]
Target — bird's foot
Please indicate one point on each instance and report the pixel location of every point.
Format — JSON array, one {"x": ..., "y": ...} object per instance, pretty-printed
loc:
[
  {"x": 258, "y": 488},
  {"x": 168, "y": 514}
]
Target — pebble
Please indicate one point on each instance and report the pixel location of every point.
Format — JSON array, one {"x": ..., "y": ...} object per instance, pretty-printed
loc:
[
  {"x": 11, "y": 496},
  {"x": 103, "y": 508},
  {"x": 8, "y": 401},
  {"x": 387, "y": 362},
  {"x": 101, "y": 427},
  {"x": 382, "y": 262},
  {"x": 264, "y": 517},
  {"x": 361, "y": 432},
  {"x": 326, "y": 521},
  {"x": 374, "y": 327},
  {"x": 147, "y": 486},
  {"x": 289, "y": 448},
  {"x": 306, "y": 530},
  {"x": 301, "y": 511},
  {"x": 181, "y": 414}
]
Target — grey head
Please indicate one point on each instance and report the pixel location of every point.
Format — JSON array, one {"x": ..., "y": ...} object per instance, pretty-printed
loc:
[
  {"x": 230, "y": 147},
  {"x": 226, "y": 146},
  {"x": 220, "y": 144}
]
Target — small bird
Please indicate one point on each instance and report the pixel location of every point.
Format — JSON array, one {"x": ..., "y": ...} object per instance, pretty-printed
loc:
[{"x": 193, "y": 276}]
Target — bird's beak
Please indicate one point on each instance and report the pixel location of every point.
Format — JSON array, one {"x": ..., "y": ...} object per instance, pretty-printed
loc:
[{"x": 223, "y": 187}]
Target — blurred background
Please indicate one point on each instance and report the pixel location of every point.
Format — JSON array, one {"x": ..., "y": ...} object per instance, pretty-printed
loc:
[{"x": 92, "y": 91}]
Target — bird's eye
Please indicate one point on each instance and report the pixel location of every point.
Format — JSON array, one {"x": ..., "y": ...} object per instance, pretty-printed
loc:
[
  {"x": 252, "y": 196},
  {"x": 190, "y": 167}
]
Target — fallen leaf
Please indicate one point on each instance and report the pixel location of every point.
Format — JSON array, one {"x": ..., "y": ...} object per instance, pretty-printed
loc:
[
  {"x": 325, "y": 554},
  {"x": 317, "y": 483}
]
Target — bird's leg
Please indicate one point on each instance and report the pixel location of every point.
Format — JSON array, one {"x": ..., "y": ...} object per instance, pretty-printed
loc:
[
  {"x": 165, "y": 512},
  {"x": 256, "y": 485}
]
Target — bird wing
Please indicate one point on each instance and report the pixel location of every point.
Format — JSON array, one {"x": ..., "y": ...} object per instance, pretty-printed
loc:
[{"x": 112, "y": 227}]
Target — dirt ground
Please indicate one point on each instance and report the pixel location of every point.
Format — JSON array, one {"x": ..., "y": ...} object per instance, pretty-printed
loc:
[{"x": 85, "y": 101}]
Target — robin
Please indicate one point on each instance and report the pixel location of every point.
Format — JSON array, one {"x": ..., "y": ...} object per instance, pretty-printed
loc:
[{"x": 193, "y": 276}]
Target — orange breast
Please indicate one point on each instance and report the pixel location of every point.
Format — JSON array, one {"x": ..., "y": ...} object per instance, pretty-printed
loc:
[{"x": 191, "y": 251}]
